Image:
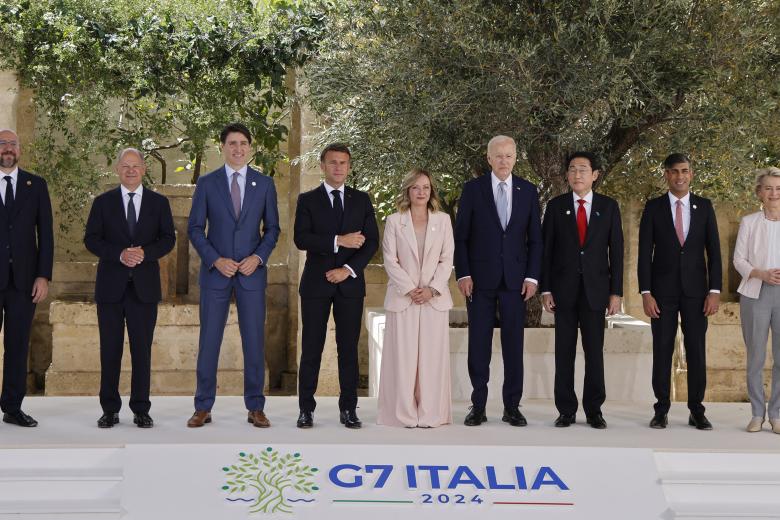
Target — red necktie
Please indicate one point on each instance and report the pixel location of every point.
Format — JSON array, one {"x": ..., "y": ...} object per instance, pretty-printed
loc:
[
  {"x": 582, "y": 221},
  {"x": 678, "y": 223}
]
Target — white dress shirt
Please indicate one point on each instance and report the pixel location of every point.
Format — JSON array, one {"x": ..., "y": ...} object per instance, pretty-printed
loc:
[
  {"x": 330, "y": 189},
  {"x": 588, "y": 203},
  {"x": 14, "y": 177},
  {"x": 241, "y": 180},
  {"x": 139, "y": 193}
]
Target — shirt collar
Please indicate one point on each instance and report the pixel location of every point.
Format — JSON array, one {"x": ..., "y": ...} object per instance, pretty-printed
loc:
[
  {"x": 241, "y": 171},
  {"x": 330, "y": 188},
  {"x": 495, "y": 181},
  {"x": 14, "y": 174},
  {"x": 684, "y": 200},
  {"x": 138, "y": 191},
  {"x": 588, "y": 198}
]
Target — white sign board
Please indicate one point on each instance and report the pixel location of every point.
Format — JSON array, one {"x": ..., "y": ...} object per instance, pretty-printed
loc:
[{"x": 384, "y": 482}]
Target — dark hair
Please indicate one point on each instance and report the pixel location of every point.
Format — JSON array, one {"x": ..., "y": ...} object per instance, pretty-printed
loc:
[
  {"x": 335, "y": 147},
  {"x": 594, "y": 162},
  {"x": 235, "y": 127},
  {"x": 675, "y": 158}
]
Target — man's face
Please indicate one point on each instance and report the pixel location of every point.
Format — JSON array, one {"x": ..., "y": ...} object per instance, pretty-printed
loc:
[
  {"x": 502, "y": 158},
  {"x": 581, "y": 175},
  {"x": 130, "y": 170},
  {"x": 236, "y": 150},
  {"x": 9, "y": 150},
  {"x": 679, "y": 178},
  {"x": 335, "y": 166}
]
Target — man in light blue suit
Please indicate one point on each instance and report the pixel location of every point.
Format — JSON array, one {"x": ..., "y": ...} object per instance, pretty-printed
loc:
[{"x": 233, "y": 201}]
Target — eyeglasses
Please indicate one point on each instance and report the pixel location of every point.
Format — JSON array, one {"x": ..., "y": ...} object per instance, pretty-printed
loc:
[{"x": 12, "y": 144}]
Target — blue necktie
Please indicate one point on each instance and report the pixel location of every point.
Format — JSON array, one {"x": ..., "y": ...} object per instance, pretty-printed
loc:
[{"x": 501, "y": 204}]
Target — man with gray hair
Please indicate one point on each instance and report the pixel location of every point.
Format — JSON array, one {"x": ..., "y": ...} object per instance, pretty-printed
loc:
[
  {"x": 26, "y": 259},
  {"x": 129, "y": 228},
  {"x": 498, "y": 258}
]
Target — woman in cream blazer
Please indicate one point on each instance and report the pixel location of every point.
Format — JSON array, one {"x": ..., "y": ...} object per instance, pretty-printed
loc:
[
  {"x": 757, "y": 258},
  {"x": 418, "y": 248}
]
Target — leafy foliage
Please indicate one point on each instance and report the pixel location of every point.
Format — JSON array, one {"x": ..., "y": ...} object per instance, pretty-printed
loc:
[
  {"x": 269, "y": 474},
  {"x": 428, "y": 82}
]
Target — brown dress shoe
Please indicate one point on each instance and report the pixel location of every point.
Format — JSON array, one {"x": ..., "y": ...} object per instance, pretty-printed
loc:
[
  {"x": 198, "y": 419},
  {"x": 258, "y": 418}
]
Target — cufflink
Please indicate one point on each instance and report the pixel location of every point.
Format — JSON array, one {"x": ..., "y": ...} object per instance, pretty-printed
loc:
[{"x": 254, "y": 183}]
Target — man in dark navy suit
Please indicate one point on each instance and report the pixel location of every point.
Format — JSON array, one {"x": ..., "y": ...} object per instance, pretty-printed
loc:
[
  {"x": 582, "y": 278},
  {"x": 498, "y": 256},
  {"x": 229, "y": 208},
  {"x": 129, "y": 229},
  {"x": 676, "y": 231},
  {"x": 336, "y": 226},
  {"x": 26, "y": 260}
]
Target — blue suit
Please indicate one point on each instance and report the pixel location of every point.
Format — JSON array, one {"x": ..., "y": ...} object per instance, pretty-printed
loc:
[
  {"x": 233, "y": 238},
  {"x": 498, "y": 261}
]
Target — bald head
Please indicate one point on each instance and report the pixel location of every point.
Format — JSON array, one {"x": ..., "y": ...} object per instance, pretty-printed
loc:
[{"x": 9, "y": 150}]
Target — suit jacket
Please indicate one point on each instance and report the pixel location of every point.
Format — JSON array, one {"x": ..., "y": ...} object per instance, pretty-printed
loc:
[
  {"x": 405, "y": 269},
  {"x": 107, "y": 235},
  {"x": 599, "y": 261},
  {"x": 751, "y": 252},
  {"x": 26, "y": 234},
  {"x": 315, "y": 230},
  {"x": 229, "y": 237},
  {"x": 668, "y": 269},
  {"x": 485, "y": 251}
]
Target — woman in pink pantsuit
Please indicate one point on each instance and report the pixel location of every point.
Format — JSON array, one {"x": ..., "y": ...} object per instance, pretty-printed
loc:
[{"x": 414, "y": 383}]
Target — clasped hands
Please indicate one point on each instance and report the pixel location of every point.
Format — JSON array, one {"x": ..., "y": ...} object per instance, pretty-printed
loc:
[
  {"x": 132, "y": 256},
  {"x": 421, "y": 295},
  {"x": 771, "y": 276},
  {"x": 229, "y": 267}
]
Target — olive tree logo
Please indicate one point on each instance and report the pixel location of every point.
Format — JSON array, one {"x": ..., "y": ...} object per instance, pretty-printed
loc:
[{"x": 266, "y": 475}]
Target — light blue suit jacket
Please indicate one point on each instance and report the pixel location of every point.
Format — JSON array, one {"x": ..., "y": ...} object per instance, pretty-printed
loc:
[{"x": 229, "y": 237}]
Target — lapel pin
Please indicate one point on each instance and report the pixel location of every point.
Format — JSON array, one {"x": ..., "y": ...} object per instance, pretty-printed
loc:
[
  {"x": 598, "y": 214},
  {"x": 29, "y": 183},
  {"x": 254, "y": 183},
  {"x": 694, "y": 206},
  {"x": 568, "y": 212}
]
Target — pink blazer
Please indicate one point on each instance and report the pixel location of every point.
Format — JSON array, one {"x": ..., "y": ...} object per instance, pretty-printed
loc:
[
  {"x": 751, "y": 252},
  {"x": 406, "y": 272}
]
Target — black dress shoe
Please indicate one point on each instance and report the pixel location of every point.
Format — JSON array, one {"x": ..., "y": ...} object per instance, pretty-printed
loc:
[
  {"x": 564, "y": 421},
  {"x": 142, "y": 420},
  {"x": 108, "y": 420},
  {"x": 350, "y": 419},
  {"x": 475, "y": 417},
  {"x": 597, "y": 421},
  {"x": 699, "y": 421},
  {"x": 20, "y": 418},
  {"x": 659, "y": 421},
  {"x": 514, "y": 417},
  {"x": 305, "y": 420}
]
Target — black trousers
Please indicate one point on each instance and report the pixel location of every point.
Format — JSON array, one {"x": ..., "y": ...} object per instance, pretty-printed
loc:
[
  {"x": 141, "y": 319},
  {"x": 694, "y": 329},
  {"x": 348, "y": 315},
  {"x": 482, "y": 320},
  {"x": 568, "y": 319},
  {"x": 15, "y": 319}
]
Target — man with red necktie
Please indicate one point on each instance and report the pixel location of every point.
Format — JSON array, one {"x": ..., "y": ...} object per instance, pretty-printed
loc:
[
  {"x": 582, "y": 279},
  {"x": 675, "y": 232}
]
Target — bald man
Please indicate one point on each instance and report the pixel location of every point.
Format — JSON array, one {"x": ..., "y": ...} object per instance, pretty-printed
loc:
[{"x": 26, "y": 258}]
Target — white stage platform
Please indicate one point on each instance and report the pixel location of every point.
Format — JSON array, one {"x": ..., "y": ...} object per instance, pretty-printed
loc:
[{"x": 67, "y": 468}]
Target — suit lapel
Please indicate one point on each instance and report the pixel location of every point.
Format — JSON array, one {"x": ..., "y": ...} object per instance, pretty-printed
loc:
[
  {"x": 222, "y": 188},
  {"x": 22, "y": 192},
  {"x": 487, "y": 191},
  {"x": 117, "y": 209},
  {"x": 407, "y": 230},
  {"x": 516, "y": 193},
  {"x": 145, "y": 213},
  {"x": 570, "y": 217},
  {"x": 694, "y": 209},
  {"x": 250, "y": 192},
  {"x": 433, "y": 232},
  {"x": 327, "y": 207},
  {"x": 594, "y": 224},
  {"x": 666, "y": 209},
  {"x": 349, "y": 207}
]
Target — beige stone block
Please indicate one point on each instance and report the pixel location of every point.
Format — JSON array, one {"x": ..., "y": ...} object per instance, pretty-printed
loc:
[
  {"x": 725, "y": 347},
  {"x": 72, "y": 313},
  {"x": 64, "y": 272},
  {"x": 728, "y": 314}
]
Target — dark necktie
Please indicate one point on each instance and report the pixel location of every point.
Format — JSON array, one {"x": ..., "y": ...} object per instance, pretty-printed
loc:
[
  {"x": 582, "y": 221},
  {"x": 9, "y": 193},
  {"x": 338, "y": 207},
  {"x": 132, "y": 219}
]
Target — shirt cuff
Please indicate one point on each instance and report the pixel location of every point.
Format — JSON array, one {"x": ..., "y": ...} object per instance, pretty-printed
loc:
[
  {"x": 546, "y": 292},
  {"x": 463, "y": 278},
  {"x": 715, "y": 291},
  {"x": 351, "y": 272},
  {"x": 644, "y": 292},
  {"x": 336, "y": 244},
  {"x": 258, "y": 257},
  {"x": 535, "y": 282}
]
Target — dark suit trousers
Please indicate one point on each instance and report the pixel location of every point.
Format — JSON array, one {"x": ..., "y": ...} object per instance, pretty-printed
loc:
[
  {"x": 482, "y": 315},
  {"x": 694, "y": 329},
  {"x": 591, "y": 326},
  {"x": 348, "y": 315},
  {"x": 140, "y": 319},
  {"x": 16, "y": 320}
]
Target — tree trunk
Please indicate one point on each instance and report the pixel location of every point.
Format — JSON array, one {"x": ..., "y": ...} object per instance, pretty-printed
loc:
[{"x": 197, "y": 166}]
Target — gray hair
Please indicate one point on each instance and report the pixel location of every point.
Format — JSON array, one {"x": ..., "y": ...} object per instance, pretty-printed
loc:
[
  {"x": 126, "y": 151},
  {"x": 763, "y": 173},
  {"x": 500, "y": 139}
]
